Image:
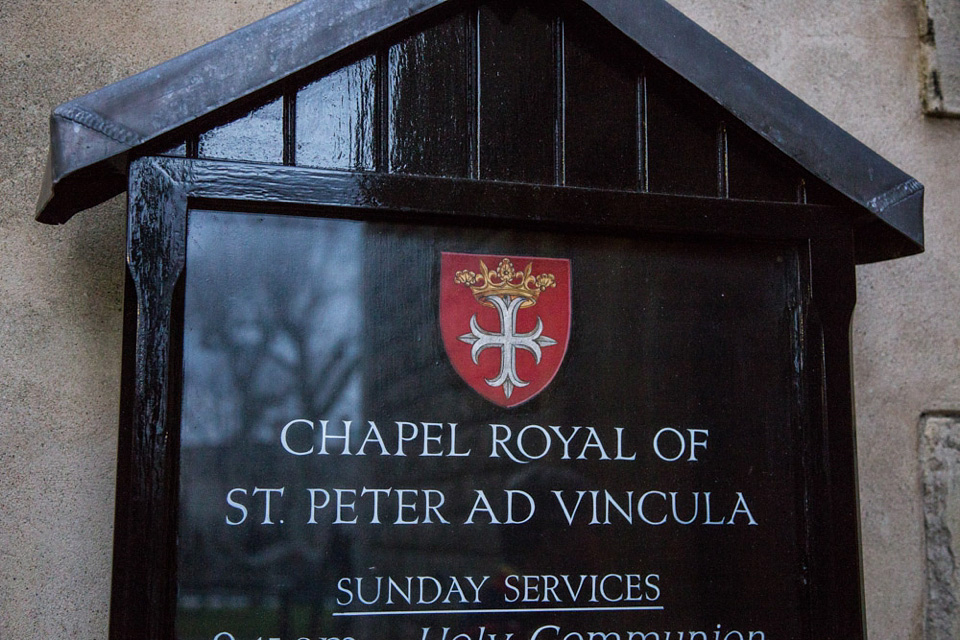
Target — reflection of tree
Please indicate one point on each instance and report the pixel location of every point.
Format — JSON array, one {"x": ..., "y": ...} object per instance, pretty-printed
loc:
[
  {"x": 275, "y": 357},
  {"x": 272, "y": 333},
  {"x": 279, "y": 315}
]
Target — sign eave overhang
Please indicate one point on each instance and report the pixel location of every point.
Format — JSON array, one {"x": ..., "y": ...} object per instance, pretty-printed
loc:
[{"x": 93, "y": 137}]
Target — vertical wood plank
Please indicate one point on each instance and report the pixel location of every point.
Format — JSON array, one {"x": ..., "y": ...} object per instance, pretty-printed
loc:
[
  {"x": 431, "y": 101},
  {"x": 144, "y": 578},
  {"x": 518, "y": 93},
  {"x": 254, "y": 137},
  {"x": 682, "y": 138},
  {"x": 336, "y": 119},
  {"x": 755, "y": 170},
  {"x": 837, "y": 596},
  {"x": 601, "y": 111},
  {"x": 643, "y": 161},
  {"x": 289, "y": 124}
]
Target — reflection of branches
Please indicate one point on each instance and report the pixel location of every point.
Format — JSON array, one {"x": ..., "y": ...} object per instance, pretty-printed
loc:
[
  {"x": 286, "y": 330},
  {"x": 272, "y": 324},
  {"x": 331, "y": 378}
]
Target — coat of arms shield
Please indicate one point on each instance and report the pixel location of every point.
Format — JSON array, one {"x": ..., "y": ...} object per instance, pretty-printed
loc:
[{"x": 505, "y": 322}]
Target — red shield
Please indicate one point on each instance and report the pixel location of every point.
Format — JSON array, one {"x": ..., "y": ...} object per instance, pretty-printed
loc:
[{"x": 505, "y": 322}]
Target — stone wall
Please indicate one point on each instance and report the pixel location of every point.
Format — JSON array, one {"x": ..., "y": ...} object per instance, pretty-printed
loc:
[{"x": 60, "y": 288}]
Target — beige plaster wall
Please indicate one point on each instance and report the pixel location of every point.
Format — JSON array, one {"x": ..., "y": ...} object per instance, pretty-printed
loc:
[
  {"x": 60, "y": 303},
  {"x": 60, "y": 288}
]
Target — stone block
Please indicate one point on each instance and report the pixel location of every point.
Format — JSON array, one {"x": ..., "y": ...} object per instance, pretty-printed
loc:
[{"x": 940, "y": 460}]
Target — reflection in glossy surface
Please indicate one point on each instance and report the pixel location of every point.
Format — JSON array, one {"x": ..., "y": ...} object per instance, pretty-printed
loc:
[
  {"x": 297, "y": 321},
  {"x": 518, "y": 81},
  {"x": 430, "y": 101},
  {"x": 255, "y": 137},
  {"x": 516, "y": 92},
  {"x": 336, "y": 119},
  {"x": 272, "y": 332}
]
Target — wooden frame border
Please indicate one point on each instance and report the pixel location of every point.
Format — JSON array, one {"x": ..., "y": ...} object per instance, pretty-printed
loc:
[{"x": 161, "y": 190}]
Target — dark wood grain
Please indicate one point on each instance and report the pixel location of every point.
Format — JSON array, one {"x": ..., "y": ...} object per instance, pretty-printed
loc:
[
  {"x": 682, "y": 139},
  {"x": 256, "y": 136},
  {"x": 518, "y": 92},
  {"x": 431, "y": 100},
  {"x": 600, "y": 109},
  {"x": 336, "y": 118},
  {"x": 144, "y": 578}
]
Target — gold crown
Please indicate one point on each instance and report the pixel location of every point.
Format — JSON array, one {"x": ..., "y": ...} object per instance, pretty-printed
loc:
[{"x": 506, "y": 281}]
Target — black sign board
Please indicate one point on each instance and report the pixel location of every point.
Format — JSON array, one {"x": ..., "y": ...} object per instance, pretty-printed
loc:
[
  {"x": 483, "y": 321},
  {"x": 339, "y": 478},
  {"x": 453, "y": 425}
]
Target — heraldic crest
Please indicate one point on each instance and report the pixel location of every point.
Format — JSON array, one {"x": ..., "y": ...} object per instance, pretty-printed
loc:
[{"x": 510, "y": 351}]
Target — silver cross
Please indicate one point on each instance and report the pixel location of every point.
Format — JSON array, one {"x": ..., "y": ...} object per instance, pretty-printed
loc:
[{"x": 508, "y": 341}]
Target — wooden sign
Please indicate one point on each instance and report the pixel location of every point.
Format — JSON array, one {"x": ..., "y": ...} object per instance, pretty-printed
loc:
[
  {"x": 482, "y": 321},
  {"x": 352, "y": 466}
]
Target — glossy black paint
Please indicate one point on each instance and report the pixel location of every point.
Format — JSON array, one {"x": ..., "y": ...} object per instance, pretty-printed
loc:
[
  {"x": 431, "y": 100},
  {"x": 602, "y": 84},
  {"x": 146, "y": 505},
  {"x": 94, "y": 137},
  {"x": 582, "y": 108},
  {"x": 684, "y": 141},
  {"x": 400, "y": 197},
  {"x": 590, "y": 110},
  {"x": 254, "y": 137},
  {"x": 697, "y": 245},
  {"x": 669, "y": 331},
  {"x": 753, "y": 173},
  {"x": 529, "y": 128},
  {"x": 336, "y": 119},
  {"x": 835, "y": 446},
  {"x": 518, "y": 85}
]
